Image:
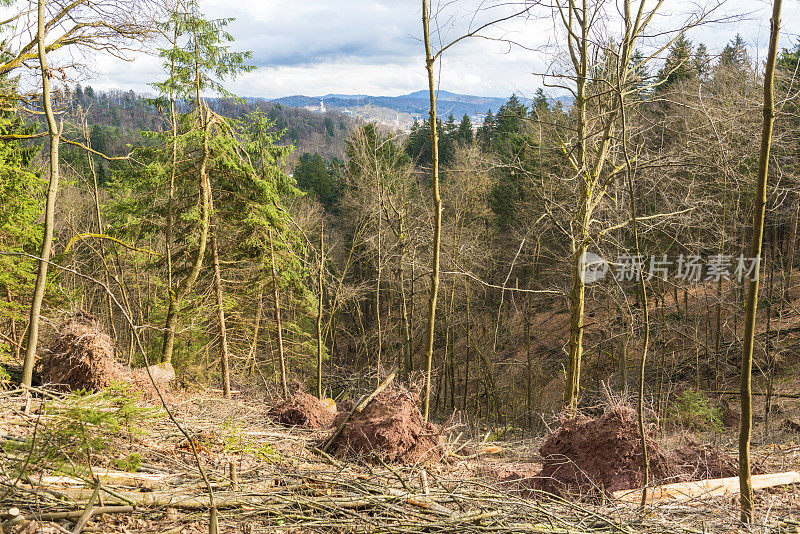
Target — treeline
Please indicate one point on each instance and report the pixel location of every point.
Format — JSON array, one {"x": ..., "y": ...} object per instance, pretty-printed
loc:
[
  {"x": 116, "y": 119},
  {"x": 509, "y": 235}
]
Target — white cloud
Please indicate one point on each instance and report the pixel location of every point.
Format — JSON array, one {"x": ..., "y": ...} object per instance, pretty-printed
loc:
[{"x": 353, "y": 46}]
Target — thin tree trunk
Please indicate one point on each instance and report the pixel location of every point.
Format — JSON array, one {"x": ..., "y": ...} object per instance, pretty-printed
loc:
[
  {"x": 251, "y": 356},
  {"x": 281, "y": 357},
  {"x": 49, "y": 211},
  {"x": 319, "y": 307},
  {"x": 205, "y": 222},
  {"x": 172, "y": 318},
  {"x": 529, "y": 378},
  {"x": 769, "y": 357},
  {"x": 792, "y": 247},
  {"x": 645, "y": 318},
  {"x": 15, "y": 340},
  {"x": 437, "y": 210},
  {"x": 223, "y": 331},
  {"x": 745, "y": 482},
  {"x": 469, "y": 332}
]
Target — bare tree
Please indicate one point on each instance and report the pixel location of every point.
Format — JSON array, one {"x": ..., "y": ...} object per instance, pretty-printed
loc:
[{"x": 745, "y": 483}]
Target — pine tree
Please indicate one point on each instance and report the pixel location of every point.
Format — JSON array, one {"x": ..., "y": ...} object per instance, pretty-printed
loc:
[
  {"x": 678, "y": 65},
  {"x": 734, "y": 56},
  {"x": 639, "y": 78},
  {"x": 20, "y": 232},
  {"x": 464, "y": 135},
  {"x": 487, "y": 131},
  {"x": 540, "y": 102},
  {"x": 510, "y": 116},
  {"x": 702, "y": 62}
]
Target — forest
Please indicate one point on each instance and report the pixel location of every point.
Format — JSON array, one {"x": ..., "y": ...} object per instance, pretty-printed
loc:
[{"x": 580, "y": 315}]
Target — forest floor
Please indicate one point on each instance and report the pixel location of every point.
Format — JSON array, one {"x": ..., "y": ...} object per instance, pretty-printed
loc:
[{"x": 284, "y": 484}]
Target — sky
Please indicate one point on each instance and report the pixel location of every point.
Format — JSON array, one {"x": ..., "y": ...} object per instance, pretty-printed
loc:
[{"x": 374, "y": 47}]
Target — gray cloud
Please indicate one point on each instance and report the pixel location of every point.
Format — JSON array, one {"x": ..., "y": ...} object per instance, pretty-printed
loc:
[
  {"x": 373, "y": 47},
  {"x": 306, "y": 34}
]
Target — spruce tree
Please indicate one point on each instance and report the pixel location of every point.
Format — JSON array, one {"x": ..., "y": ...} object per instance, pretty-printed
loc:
[{"x": 678, "y": 65}]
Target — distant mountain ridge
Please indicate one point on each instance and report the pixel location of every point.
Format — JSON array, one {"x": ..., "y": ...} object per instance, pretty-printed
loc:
[{"x": 415, "y": 104}]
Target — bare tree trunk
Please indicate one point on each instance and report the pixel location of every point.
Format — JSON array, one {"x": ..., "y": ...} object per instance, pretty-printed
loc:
[
  {"x": 319, "y": 307},
  {"x": 469, "y": 332},
  {"x": 281, "y": 357},
  {"x": 437, "y": 209},
  {"x": 16, "y": 341},
  {"x": 769, "y": 357},
  {"x": 223, "y": 331},
  {"x": 49, "y": 215},
  {"x": 645, "y": 311},
  {"x": 205, "y": 222},
  {"x": 576, "y": 296},
  {"x": 529, "y": 369},
  {"x": 379, "y": 344},
  {"x": 792, "y": 246},
  {"x": 251, "y": 356},
  {"x": 746, "y": 393}
]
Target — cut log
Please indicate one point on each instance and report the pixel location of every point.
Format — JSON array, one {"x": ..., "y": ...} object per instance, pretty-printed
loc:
[
  {"x": 715, "y": 487},
  {"x": 58, "y": 516},
  {"x": 115, "y": 478},
  {"x": 170, "y": 500}
]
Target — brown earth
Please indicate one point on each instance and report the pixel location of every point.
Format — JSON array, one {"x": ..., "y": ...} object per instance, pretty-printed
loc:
[
  {"x": 302, "y": 409},
  {"x": 701, "y": 461},
  {"x": 80, "y": 356},
  {"x": 391, "y": 427},
  {"x": 586, "y": 456}
]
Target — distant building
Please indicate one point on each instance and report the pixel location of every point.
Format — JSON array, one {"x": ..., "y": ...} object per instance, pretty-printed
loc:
[{"x": 317, "y": 109}]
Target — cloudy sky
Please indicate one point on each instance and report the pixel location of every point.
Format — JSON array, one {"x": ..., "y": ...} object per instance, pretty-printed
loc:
[{"x": 374, "y": 47}]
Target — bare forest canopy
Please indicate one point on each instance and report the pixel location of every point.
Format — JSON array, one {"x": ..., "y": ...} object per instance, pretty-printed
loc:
[{"x": 552, "y": 253}]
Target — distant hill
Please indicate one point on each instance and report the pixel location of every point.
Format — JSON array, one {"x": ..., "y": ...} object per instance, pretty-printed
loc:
[
  {"x": 414, "y": 104},
  {"x": 117, "y": 118}
]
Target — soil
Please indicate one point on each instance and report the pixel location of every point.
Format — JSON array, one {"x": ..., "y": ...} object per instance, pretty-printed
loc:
[
  {"x": 302, "y": 409},
  {"x": 391, "y": 427},
  {"x": 701, "y": 461},
  {"x": 81, "y": 356},
  {"x": 585, "y": 456}
]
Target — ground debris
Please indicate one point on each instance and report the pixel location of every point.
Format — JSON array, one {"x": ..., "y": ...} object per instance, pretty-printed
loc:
[
  {"x": 390, "y": 426},
  {"x": 302, "y": 409}
]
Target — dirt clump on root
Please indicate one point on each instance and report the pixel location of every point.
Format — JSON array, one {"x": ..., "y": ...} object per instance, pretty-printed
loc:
[
  {"x": 80, "y": 356},
  {"x": 391, "y": 427},
  {"x": 587, "y": 456},
  {"x": 302, "y": 409},
  {"x": 701, "y": 461}
]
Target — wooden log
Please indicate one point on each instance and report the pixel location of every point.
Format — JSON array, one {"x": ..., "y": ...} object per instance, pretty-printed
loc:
[
  {"x": 715, "y": 487},
  {"x": 168, "y": 500},
  {"x": 58, "y": 516},
  {"x": 115, "y": 478}
]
